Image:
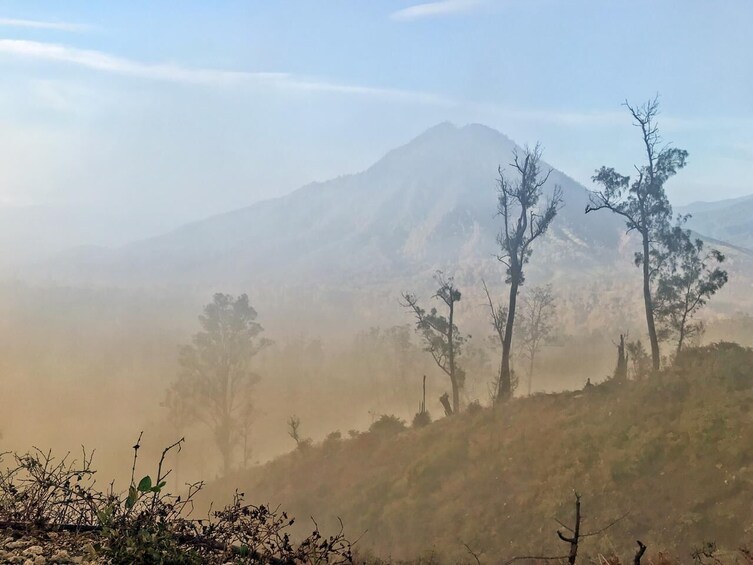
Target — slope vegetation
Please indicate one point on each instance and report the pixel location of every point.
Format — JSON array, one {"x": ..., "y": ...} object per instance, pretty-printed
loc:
[{"x": 673, "y": 452}]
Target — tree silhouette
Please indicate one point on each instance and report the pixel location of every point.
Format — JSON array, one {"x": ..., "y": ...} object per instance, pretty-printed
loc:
[
  {"x": 215, "y": 383},
  {"x": 687, "y": 279},
  {"x": 643, "y": 203},
  {"x": 440, "y": 334},
  {"x": 523, "y": 223}
]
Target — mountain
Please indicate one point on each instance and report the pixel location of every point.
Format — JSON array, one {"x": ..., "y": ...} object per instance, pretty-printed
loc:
[
  {"x": 352, "y": 244},
  {"x": 432, "y": 201},
  {"x": 727, "y": 220}
]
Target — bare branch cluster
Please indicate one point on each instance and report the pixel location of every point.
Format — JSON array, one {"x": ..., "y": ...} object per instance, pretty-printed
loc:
[{"x": 41, "y": 492}]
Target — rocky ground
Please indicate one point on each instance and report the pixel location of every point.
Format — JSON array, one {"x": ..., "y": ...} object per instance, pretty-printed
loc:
[{"x": 43, "y": 548}]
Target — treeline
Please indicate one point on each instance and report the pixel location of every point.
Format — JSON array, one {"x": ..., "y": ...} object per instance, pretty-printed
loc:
[
  {"x": 679, "y": 274},
  {"x": 219, "y": 368}
]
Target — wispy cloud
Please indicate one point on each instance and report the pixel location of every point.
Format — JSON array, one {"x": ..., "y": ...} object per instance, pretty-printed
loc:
[
  {"x": 37, "y": 24},
  {"x": 104, "y": 62},
  {"x": 435, "y": 9},
  {"x": 99, "y": 61}
]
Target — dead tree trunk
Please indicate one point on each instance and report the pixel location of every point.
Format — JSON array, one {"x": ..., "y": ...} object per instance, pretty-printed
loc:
[
  {"x": 445, "y": 400},
  {"x": 422, "y": 406},
  {"x": 620, "y": 371}
]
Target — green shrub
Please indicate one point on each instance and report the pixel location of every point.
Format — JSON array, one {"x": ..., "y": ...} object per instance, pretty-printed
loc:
[
  {"x": 387, "y": 424},
  {"x": 729, "y": 362}
]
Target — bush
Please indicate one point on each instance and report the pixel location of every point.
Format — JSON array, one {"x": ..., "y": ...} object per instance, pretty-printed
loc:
[
  {"x": 421, "y": 419},
  {"x": 387, "y": 424},
  {"x": 332, "y": 441},
  {"x": 474, "y": 407},
  {"x": 146, "y": 524},
  {"x": 729, "y": 362}
]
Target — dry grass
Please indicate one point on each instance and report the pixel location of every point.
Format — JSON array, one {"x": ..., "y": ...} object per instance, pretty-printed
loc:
[{"x": 672, "y": 451}]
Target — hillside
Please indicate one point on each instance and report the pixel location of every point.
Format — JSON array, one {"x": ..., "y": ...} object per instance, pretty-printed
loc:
[
  {"x": 728, "y": 220},
  {"x": 673, "y": 452}
]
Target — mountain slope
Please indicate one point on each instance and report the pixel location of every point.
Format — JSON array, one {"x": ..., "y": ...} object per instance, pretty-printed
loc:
[
  {"x": 429, "y": 202},
  {"x": 727, "y": 220},
  {"x": 671, "y": 452}
]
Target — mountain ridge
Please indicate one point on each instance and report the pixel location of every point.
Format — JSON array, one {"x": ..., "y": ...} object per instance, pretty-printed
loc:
[
  {"x": 436, "y": 187},
  {"x": 343, "y": 245},
  {"x": 729, "y": 220}
]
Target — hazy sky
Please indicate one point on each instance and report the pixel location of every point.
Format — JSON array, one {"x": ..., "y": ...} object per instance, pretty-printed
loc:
[{"x": 167, "y": 111}]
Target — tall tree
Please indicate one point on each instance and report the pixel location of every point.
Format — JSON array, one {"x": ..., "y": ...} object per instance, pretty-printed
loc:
[
  {"x": 440, "y": 333},
  {"x": 643, "y": 203},
  {"x": 536, "y": 323},
  {"x": 216, "y": 380},
  {"x": 687, "y": 279},
  {"x": 523, "y": 222}
]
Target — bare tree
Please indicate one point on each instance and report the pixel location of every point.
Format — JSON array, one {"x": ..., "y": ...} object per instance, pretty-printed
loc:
[
  {"x": 536, "y": 323},
  {"x": 216, "y": 381},
  {"x": 440, "y": 334},
  {"x": 643, "y": 203},
  {"x": 573, "y": 536},
  {"x": 294, "y": 429},
  {"x": 523, "y": 222}
]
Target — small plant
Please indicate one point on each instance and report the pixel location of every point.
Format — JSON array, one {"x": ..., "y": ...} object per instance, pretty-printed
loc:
[
  {"x": 706, "y": 553},
  {"x": 294, "y": 431},
  {"x": 474, "y": 407},
  {"x": 421, "y": 419}
]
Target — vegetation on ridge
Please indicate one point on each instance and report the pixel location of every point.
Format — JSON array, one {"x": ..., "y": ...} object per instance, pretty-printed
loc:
[{"x": 672, "y": 451}]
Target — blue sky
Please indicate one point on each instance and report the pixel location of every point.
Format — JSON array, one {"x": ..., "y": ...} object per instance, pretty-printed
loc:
[{"x": 168, "y": 111}]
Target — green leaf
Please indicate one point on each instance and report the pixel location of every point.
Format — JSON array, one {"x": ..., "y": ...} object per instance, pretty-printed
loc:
[
  {"x": 102, "y": 517},
  {"x": 145, "y": 484},
  {"x": 131, "y": 500}
]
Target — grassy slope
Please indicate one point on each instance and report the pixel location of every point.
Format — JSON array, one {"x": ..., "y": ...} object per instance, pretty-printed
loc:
[{"x": 675, "y": 451}]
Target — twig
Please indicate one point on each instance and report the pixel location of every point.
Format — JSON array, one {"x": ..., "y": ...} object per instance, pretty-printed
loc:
[
  {"x": 605, "y": 528},
  {"x": 536, "y": 557},
  {"x": 472, "y": 553},
  {"x": 639, "y": 553},
  {"x": 136, "y": 448}
]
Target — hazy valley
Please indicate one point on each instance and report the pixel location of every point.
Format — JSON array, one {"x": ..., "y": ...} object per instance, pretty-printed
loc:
[{"x": 256, "y": 308}]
